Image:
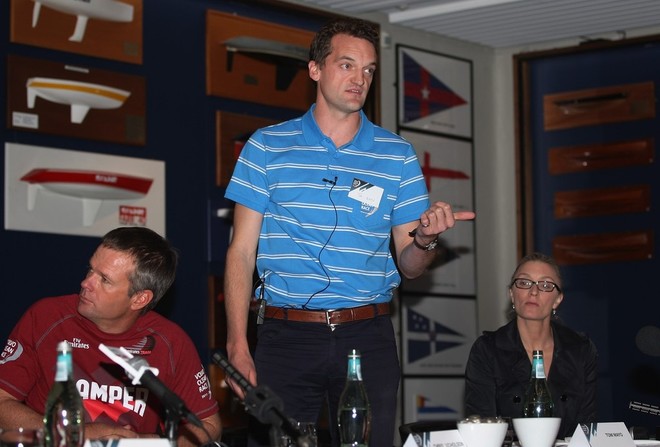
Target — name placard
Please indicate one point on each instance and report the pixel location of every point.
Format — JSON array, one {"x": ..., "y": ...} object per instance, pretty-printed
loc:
[
  {"x": 440, "y": 438},
  {"x": 602, "y": 434}
]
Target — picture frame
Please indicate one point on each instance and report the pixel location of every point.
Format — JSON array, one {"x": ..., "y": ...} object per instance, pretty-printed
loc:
[
  {"x": 76, "y": 101},
  {"x": 110, "y": 33},
  {"x": 437, "y": 334},
  {"x": 258, "y": 61},
  {"x": 61, "y": 191},
  {"x": 447, "y": 165},
  {"x": 432, "y": 399},
  {"x": 434, "y": 92}
]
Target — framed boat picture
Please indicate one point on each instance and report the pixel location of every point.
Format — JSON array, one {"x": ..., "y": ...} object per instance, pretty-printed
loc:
[
  {"x": 70, "y": 100},
  {"x": 258, "y": 61},
  {"x": 61, "y": 191},
  {"x": 109, "y": 29}
]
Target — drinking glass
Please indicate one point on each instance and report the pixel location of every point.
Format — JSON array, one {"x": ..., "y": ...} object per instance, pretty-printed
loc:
[
  {"x": 21, "y": 437},
  {"x": 306, "y": 428}
]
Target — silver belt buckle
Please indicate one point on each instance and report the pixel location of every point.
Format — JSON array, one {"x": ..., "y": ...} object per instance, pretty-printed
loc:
[{"x": 327, "y": 319}]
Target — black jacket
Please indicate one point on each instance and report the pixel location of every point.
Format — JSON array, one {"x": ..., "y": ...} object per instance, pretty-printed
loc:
[{"x": 498, "y": 371}]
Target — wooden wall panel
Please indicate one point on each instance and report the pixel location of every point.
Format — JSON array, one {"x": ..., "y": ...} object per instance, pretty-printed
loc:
[
  {"x": 613, "y": 104},
  {"x": 602, "y": 201},
  {"x": 589, "y": 157},
  {"x": 604, "y": 247}
]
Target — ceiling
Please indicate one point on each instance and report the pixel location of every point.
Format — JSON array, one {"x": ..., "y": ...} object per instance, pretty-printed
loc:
[{"x": 510, "y": 23}]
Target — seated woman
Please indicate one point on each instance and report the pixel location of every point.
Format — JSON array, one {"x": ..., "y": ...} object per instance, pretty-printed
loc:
[{"x": 499, "y": 367}]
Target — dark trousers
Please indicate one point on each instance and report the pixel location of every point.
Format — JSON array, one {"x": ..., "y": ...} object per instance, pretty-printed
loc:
[{"x": 305, "y": 364}]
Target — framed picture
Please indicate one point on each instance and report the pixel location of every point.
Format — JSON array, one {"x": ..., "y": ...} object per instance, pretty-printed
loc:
[
  {"x": 434, "y": 92},
  {"x": 49, "y": 190},
  {"x": 257, "y": 61},
  {"x": 432, "y": 399},
  {"x": 232, "y": 132},
  {"x": 437, "y": 334},
  {"x": 447, "y": 168},
  {"x": 75, "y": 101},
  {"x": 111, "y": 29}
]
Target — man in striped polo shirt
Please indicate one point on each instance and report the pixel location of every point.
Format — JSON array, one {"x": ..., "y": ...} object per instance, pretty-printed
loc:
[{"x": 332, "y": 210}]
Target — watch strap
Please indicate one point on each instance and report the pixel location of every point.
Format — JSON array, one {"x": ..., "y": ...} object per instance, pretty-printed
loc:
[{"x": 430, "y": 246}]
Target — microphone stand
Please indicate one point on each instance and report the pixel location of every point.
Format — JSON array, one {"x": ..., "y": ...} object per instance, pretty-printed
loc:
[
  {"x": 138, "y": 369},
  {"x": 262, "y": 403},
  {"x": 172, "y": 418}
]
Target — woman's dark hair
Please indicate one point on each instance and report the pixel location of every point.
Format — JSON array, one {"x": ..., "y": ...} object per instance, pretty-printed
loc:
[
  {"x": 321, "y": 45},
  {"x": 539, "y": 257},
  {"x": 155, "y": 260}
]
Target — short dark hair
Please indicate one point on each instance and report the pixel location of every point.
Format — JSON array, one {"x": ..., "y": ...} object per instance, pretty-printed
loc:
[
  {"x": 155, "y": 259},
  {"x": 538, "y": 257},
  {"x": 321, "y": 45}
]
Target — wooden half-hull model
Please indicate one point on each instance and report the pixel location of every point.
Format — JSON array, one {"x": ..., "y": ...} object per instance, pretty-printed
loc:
[
  {"x": 92, "y": 187},
  {"x": 81, "y": 96},
  {"x": 110, "y": 10},
  {"x": 288, "y": 58}
]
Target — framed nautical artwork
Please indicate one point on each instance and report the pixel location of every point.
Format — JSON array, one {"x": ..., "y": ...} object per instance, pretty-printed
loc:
[
  {"x": 110, "y": 29},
  {"x": 61, "y": 191},
  {"x": 434, "y": 92},
  {"x": 258, "y": 61},
  {"x": 447, "y": 168},
  {"x": 76, "y": 101},
  {"x": 433, "y": 399},
  {"x": 436, "y": 334}
]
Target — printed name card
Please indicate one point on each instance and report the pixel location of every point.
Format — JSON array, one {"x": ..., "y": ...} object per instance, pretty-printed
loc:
[
  {"x": 602, "y": 434},
  {"x": 440, "y": 438}
]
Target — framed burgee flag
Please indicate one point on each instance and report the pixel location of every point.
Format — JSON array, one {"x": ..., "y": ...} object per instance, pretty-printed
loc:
[{"x": 434, "y": 92}]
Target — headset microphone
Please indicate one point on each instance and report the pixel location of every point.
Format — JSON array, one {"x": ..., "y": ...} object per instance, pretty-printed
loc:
[{"x": 332, "y": 182}]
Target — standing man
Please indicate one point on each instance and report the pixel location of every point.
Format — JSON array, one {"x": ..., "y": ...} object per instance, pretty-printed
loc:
[
  {"x": 128, "y": 274},
  {"x": 319, "y": 202}
]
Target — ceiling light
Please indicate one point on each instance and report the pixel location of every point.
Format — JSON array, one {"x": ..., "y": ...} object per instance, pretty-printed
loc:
[{"x": 444, "y": 8}]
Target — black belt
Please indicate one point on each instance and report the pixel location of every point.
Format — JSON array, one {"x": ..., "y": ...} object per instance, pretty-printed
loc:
[{"x": 329, "y": 317}]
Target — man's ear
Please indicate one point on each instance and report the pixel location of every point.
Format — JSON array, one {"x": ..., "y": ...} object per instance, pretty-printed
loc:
[
  {"x": 142, "y": 299},
  {"x": 314, "y": 70}
]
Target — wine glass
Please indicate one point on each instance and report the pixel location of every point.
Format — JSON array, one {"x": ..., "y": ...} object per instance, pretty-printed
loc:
[{"x": 306, "y": 428}]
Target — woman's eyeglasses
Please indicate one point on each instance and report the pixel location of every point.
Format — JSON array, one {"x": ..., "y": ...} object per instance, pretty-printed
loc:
[{"x": 543, "y": 286}]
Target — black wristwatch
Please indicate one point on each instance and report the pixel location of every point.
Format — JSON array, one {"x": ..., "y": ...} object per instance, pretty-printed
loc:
[{"x": 428, "y": 247}]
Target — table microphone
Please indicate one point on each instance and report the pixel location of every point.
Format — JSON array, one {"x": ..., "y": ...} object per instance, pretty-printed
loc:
[
  {"x": 138, "y": 369},
  {"x": 166, "y": 396},
  {"x": 261, "y": 402}
]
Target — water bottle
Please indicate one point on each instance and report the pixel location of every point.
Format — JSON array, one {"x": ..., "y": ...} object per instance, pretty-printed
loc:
[
  {"x": 538, "y": 402},
  {"x": 354, "y": 414},
  {"x": 64, "y": 417}
]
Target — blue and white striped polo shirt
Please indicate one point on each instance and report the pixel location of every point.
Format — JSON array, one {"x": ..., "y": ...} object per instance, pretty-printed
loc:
[{"x": 324, "y": 241}]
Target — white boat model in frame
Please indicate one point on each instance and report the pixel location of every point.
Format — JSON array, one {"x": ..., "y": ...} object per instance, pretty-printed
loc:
[
  {"x": 92, "y": 187},
  {"x": 110, "y": 10},
  {"x": 81, "y": 96}
]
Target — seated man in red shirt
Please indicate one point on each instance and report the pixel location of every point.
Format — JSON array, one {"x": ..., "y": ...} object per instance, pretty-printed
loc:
[{"x": 128, "y": 274}]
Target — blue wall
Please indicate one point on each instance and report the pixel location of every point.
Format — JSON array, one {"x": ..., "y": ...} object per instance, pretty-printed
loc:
[
  {"x": 610, "y": 301},
  {"x": 180, "y": 131}
]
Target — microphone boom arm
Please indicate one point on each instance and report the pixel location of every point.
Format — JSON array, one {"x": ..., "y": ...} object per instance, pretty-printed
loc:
[{"x": 261, "y": 402}]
